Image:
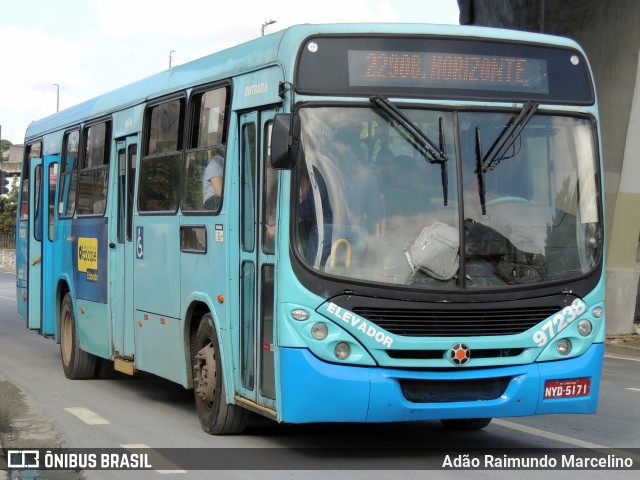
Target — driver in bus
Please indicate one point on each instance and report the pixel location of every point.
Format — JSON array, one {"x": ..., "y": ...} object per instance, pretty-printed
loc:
[{"x": 361, "y": 194}]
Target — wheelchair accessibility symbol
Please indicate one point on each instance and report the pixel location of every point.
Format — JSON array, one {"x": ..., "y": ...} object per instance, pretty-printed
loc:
[{"x": 139, "y": 242}]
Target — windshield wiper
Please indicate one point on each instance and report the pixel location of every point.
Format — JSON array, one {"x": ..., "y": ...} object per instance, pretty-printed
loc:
[
  {"x": 431, "y": 152},
  {"x": 480, "y": 172},
  {"x": 503, "y": 143}
]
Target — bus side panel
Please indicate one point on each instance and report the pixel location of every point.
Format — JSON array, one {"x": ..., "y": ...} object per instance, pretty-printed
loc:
[
  {"x": 205, "y": 277},
  {"x": 90, "y": 274},
  {"x": 159, "y": 341},
  {"x": 63, "y": 266},
  {"x": 22, "y": 239},
  {"x": 157, "y": 265},
  {"x": 89, "y": 256},
  {"x": 160, "y": 348},
  {"x": 205, "y": 273},
  {"x": 93, "y": 327}
]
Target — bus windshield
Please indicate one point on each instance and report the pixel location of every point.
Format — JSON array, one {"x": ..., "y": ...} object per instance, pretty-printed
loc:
[{"x": 368, "y": 198}]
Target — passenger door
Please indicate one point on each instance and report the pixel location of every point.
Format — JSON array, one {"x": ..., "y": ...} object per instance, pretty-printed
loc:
[
  {"x": 48, "y": 204},
  {"x": 121, "y": 248},
  {"x": 258, "y": 196},
  {"x": 34, "y": 258}
]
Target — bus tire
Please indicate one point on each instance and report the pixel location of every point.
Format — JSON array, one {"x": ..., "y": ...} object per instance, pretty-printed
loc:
[
  {"x": 76, "y": 363},
  {"x": 216, "y": 416},
  {"x": 460, "y": 424}
]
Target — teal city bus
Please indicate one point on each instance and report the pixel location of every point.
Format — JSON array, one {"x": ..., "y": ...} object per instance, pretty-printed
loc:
[{"x": 331, "y": 223}]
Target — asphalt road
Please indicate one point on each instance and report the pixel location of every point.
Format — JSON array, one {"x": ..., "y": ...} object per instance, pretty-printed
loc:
[{"x": 40, "y": 408}]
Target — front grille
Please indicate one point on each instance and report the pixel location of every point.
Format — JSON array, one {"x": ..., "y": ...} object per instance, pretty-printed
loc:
[
  {"x": 456, "y": 322},
  {"x": 448, "y": 391},
  {"x": 439, "y": 354}
]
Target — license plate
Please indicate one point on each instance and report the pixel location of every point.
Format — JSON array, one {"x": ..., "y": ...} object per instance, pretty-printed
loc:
[{"x": 575, "y": 387}]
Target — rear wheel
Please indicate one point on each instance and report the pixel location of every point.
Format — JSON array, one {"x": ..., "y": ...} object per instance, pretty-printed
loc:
[
  {"x": 216, "y": 416},
  {"x": 466, "y": 423},
  {"x": 76, "y": 363}
]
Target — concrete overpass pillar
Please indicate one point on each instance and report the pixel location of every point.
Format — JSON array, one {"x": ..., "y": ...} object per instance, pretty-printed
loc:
[{"x": 623, "y": 261}]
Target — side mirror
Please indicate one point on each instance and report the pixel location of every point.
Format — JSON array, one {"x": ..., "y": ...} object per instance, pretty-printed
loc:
[{"x": 285, "y": 141}]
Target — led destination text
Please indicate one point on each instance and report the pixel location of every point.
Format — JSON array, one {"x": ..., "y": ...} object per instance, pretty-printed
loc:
[{"x": 447, "y": 70}]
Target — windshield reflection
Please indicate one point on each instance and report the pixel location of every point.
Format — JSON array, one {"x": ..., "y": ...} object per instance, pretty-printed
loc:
[{"x": 367, "y": 196}]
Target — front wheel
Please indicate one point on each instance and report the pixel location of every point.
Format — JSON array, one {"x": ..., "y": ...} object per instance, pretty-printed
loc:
[
  {"x": 76, "y": 363},
  {"x": 216, "y": 416},
  {"x": 460, "y": 424}
]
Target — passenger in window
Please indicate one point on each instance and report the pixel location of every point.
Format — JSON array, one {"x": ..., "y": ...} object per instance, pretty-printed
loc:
[
  {"x": 100, "y": 204},
  {"x": 212, "y": 183}
]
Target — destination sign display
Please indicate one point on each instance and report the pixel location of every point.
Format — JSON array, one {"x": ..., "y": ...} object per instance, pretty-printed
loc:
[{"x": 447, "y": 70}]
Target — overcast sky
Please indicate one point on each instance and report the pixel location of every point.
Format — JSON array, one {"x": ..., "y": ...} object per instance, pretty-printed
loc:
[{"x": 90, "y": 47}]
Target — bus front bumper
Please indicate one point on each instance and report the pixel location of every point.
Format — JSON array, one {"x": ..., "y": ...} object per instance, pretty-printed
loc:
[{"x": 316, "y": 391}]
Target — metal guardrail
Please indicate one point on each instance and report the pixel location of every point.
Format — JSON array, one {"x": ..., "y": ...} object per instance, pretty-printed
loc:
[{"x": 8, "y": 240}]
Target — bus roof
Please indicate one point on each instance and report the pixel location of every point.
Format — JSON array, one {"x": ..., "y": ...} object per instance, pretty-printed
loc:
[{"x": 278, "y": 48}]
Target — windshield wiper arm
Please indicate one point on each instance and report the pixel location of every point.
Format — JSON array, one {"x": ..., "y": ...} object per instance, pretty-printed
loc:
[
  {"x": 480, "y": 172},
  {"x": 508, "y": 136},
  {"x": 431, "y": 152},
  {"x": 497, "y": 151}
]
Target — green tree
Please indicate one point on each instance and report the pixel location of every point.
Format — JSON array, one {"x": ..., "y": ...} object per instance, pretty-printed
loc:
[
  {"x": 8, "y": 214},
  {"x": 4, "y": 147}
]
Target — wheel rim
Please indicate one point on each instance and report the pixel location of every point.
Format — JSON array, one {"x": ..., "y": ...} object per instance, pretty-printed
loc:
[
  {"x": 205, "y": 370},
  {"x": 67, "y": 336}
]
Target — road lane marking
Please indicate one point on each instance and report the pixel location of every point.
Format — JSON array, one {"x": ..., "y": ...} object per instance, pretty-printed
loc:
[
  {"x": 623, "y": 358},
  {"x": 87, "y": 416},
  {"x": 548, "y": 435},
  {"x": 137, "y": 446},
  {"x": 634, "y": 389},
  {"x": 562, "y": 438}
]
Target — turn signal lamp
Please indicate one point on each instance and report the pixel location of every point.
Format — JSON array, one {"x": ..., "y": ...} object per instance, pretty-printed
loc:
[{"x": 299, "y": 314}]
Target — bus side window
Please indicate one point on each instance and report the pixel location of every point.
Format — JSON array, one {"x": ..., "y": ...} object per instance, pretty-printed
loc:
[
  {"x": 68, "y": 174},
  {"x": 53, "y": 173},
  {"x": 206, "y": 151},
  {"x": 270, "y": 195},
  {"x": 24, "y": 195},
  {"x": 94, "y": 174},
  {"x": 160, "y": 167},
  {"x": 37, "y": 208}
]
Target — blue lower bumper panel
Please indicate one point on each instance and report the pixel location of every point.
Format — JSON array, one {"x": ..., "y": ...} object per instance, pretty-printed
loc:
[{"x": 316, "y": 391}]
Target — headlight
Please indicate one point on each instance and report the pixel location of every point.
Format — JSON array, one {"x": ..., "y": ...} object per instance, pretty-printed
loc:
[
  {"x": 319, "y": 331},
  {"x": 342, "y": 351},
  {"x": 564, "y": 346},
  {"x": 584, "y": 327}
]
